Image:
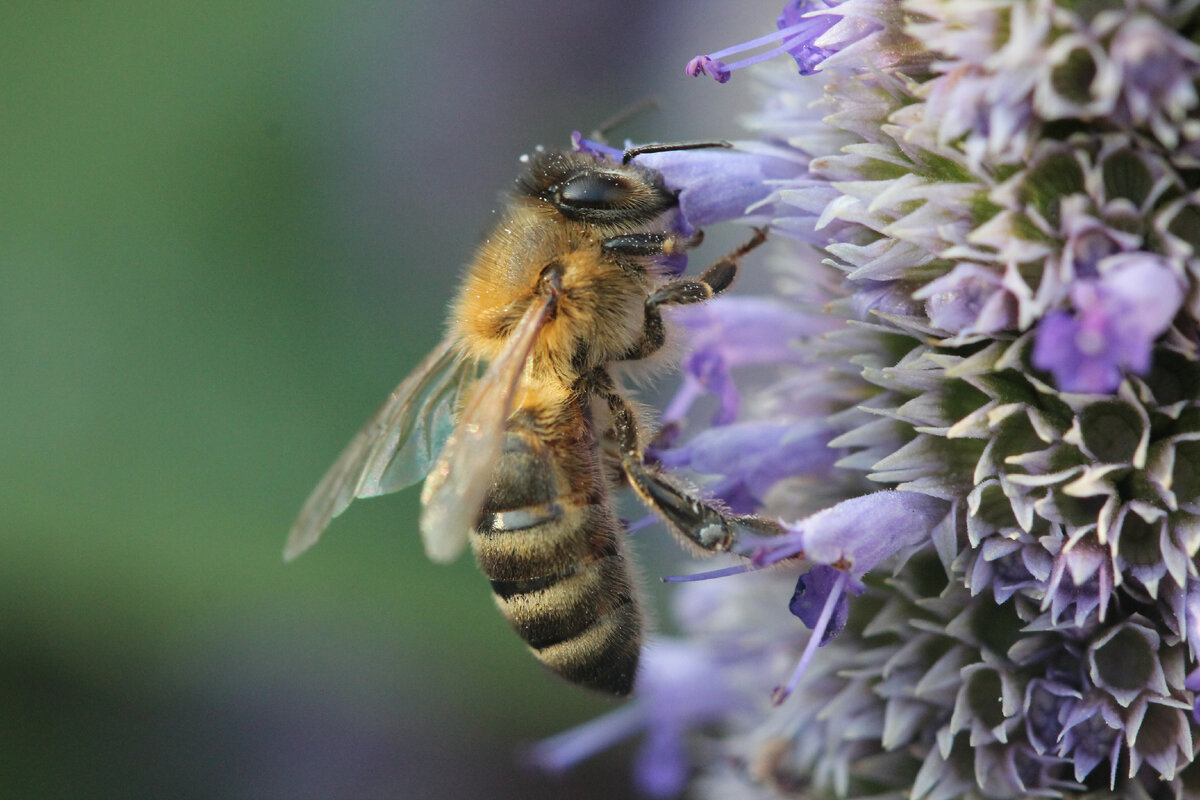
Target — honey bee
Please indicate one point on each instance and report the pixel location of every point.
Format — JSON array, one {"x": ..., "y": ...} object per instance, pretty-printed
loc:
[{"x": 523, "y": 460}]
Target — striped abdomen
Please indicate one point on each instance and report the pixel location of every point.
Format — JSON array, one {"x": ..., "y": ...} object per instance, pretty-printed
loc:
[{"x": 556, "y": 564}]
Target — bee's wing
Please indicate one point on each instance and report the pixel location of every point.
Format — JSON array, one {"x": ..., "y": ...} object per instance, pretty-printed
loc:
[
  {"x": 456, "y": 487},
  {"x": 395, "y": 448},
  {"x": 416, "y": 430}
]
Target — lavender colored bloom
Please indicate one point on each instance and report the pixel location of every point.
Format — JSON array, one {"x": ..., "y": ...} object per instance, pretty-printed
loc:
[
  {"x": 813, "y": 590},
  {"x": 806, "y": 21},
  {"x": 800, "y": 26},
  {"x": 733, "y": 332},
  {"x": 857, "y": 534},
  {"x": 716, "y": 186},
  {"x": 977, "y": 387},
  {"x": 680, "y": 687},
  {"x": 1116, "y": 320},
  {"x": 969, "y": 299},
  {"x": 845, "y": 542},
  {"x": 751, "y": 457},
  {"x": 1158, "y": 69}
]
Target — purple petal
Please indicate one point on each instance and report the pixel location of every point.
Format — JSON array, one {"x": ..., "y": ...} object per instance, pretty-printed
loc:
[
  {"x": 679, "y": 687},
  {"x": 1057, "y": 350},
  {"x": 711, "y": 372},
  {"x": 834, "y": 597},
  {"x": 565, "y": 750},
  {"x": 736, "y": 494},
  {"x": 1116, "y": 320},
  {"x": 732, "y": 332},
  {"x": 751, "y": 330},
  {"x": 1146, "y": 287},
  {"x": 969, "y": 299},
  {"x": 857, "y": 534},
  {"x": 755, "y": 454},
  {"x": 717, "y": 185},
  {"x": 599, "y": 149},
  {"x": 661, "y": 767},
  {"x": 812, "y": 592},
  {"x": 714, "y": 184},
  {"x": 804, "y": 31}
]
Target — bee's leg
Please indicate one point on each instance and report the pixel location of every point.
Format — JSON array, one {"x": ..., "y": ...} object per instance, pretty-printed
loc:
[
  {"x": 697, "y": 520},
  {"x": 681, "y": 291},
  {"x": 650, "y": 244}
]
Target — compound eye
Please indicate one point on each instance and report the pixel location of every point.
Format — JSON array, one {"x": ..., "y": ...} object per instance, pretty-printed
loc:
[{"x": 594, "y": 190}]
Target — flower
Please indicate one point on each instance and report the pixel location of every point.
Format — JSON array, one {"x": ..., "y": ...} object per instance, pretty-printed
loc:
[
  {"x": 1118, "y": 316},
  {"x": 729, "y": 333},
  {"x": 680, "y": 687},
  {"x": 804, "y": 33},
  {"x": 976, "y": 386},
  {"x": 751, "y": 458}
]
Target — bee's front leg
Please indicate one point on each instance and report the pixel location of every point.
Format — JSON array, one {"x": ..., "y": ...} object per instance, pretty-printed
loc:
[{"x": 681, "y": 291}]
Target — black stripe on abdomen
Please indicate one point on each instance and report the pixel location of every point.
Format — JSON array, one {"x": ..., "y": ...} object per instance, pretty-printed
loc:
[{"x": 558, "y": 572}]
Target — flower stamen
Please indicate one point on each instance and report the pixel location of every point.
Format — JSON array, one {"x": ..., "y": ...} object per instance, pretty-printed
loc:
[{"x": 796, "y": 36}]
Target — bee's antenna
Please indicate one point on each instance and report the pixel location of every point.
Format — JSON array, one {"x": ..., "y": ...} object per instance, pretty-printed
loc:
[{"x": 642, "y": 149}]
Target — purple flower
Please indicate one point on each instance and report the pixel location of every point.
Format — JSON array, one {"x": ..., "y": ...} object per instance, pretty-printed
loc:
[
  {"x": 961, "y": 190},
  {"x": 813, "y": 592},
  {"x": 732, "y": 332},
  {"x": 716, "y": 185},
  {"x": 856, "y": 534},
  {"x": 680, "y": 687},
  {"x": 1115, "y": 322},
  {"x": 800, "y": 26},
  {"x": 823, "y": 591},
  {"x": 969, "y": 299},
  {"x": 845, "y": 541},
  {"x": 751, "y": 457},
  {"x": 1159, "y": 68}
]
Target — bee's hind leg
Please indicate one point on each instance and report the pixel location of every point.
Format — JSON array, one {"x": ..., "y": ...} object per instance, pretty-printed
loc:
[
  {"x": 700, "y": 521},
  {"x": 680, "y": 291}
]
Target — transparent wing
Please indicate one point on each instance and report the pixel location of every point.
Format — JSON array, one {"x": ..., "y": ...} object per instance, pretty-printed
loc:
[
  {"x": 418, "y": 430},
  {"x": 394, "y": 449},
  {"x": 456, "y": 486}
]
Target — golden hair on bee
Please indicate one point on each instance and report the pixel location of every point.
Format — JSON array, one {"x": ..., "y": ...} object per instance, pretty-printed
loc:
[{"x": 567, "y": 287}]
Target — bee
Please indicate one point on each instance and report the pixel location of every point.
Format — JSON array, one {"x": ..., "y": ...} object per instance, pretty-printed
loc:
[{"x": 522, "y": 460}]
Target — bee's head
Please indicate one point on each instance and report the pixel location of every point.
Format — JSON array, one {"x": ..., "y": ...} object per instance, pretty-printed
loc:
[{"x": 585, "y": 188}]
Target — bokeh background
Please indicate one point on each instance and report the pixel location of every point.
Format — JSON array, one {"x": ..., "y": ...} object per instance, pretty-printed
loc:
[{"x": 227, "y": 230}]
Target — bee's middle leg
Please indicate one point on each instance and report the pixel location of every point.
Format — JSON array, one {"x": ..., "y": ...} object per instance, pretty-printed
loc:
[{"x": 681, "y": 291}]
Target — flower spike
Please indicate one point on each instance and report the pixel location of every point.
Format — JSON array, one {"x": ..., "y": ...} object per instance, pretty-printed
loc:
[{"x": 973, "y": 381}]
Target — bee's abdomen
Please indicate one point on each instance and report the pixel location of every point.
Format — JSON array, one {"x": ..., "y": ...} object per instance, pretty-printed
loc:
[{"x": 559, "y": 573}]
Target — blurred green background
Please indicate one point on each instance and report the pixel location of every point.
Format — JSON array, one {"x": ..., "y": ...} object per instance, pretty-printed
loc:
[{"x": 228, "y": 230}]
